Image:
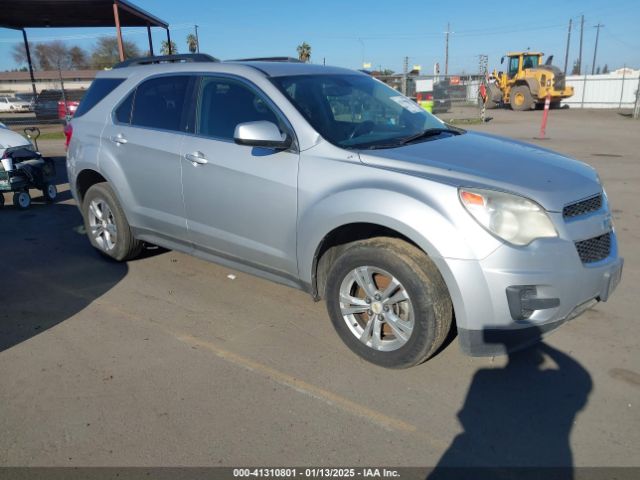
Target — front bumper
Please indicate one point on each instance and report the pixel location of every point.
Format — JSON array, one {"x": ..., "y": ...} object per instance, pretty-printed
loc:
[{"x": 487, "y": 324}]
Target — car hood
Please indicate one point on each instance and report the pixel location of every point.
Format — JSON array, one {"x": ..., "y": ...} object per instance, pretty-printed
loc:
[
  {"x": 9, "y": 138},
  {"x": 481, "y": 160}
]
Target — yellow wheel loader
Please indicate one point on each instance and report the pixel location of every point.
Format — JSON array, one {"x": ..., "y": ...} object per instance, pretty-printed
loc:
[{"x": 526, "y": 82}]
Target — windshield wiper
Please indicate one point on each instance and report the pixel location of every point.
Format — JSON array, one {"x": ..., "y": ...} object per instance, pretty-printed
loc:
[{"x": 429, "y": 132}]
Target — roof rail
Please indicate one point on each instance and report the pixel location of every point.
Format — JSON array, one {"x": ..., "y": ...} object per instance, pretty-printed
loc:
[
  {"x": 266, "y": 59},
  {"x": 182, "y": 57}
]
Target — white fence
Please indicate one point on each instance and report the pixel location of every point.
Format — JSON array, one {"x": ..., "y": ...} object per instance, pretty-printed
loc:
[{"x": 610, "y": 90}]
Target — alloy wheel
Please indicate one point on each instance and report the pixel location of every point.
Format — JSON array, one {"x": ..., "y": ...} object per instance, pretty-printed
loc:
[
  {"x": 376, "y": 307},
  {"x": 102, "y": 224}
]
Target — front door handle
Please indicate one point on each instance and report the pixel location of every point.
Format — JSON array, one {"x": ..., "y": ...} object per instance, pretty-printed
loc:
[
  {"x": 119, "y": 139},
  {"x": 196, "y": 158}
]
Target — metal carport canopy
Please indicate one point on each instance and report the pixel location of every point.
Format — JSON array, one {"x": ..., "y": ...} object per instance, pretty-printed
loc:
[
  {"x": 22, "y": 14},
  {"x": 73, "y": 13}
]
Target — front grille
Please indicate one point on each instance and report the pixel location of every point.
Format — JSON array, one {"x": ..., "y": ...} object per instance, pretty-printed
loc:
[
  {"x": 582, "y": 207},
  {"x": 594, "y": 249},
  {"x": 559, "y": 82}
]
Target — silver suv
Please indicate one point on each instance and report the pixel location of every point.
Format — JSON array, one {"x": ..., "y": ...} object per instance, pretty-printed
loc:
[{"x": 327, "y": 180}]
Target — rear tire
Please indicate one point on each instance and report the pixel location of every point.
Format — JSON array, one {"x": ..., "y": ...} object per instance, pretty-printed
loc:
[
  {"x": 388, "y": 302},
  {"x": 50, "y": 192},
  {"x": 520, "y": 98},
  {"x": 106, "y": 224}
]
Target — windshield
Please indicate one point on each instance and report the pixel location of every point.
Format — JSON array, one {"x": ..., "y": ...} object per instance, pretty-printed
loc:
[{"x": 356, "y": 111}]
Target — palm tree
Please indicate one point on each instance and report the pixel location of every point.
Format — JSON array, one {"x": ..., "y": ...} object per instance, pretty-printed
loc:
[
  {"x": 192, "y": 43},
  {"x": 164, "y": 48},
  {"x": 304, "y": 52}
]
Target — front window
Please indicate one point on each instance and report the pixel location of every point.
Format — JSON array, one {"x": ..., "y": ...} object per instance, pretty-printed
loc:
[
  {"x": 226, "y": 103},
  {"x": 355, "y": 111}
]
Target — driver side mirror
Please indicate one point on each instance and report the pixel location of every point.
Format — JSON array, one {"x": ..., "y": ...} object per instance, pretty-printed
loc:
[
  {"x": 261, "y": 134},
  {"x": 501, "y": 60}
]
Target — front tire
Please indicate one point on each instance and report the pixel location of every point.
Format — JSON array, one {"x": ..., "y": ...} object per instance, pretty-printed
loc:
[
  {"x": 106, "y": 224},
  {"x": 388, "y": 302},
  {"x": 22, "y": 200},
  {"x": 520, "y": 98}
]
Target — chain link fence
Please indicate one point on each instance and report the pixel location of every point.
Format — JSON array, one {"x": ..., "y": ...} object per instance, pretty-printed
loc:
[{"x": 450, "y": 97}]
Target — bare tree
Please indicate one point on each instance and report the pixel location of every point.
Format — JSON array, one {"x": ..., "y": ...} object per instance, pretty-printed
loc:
[
  {"x": 19, "y": 54},
  {"x": 79, "y": 60},
  {"x": 53, "y": 55},
  {"x": 105, "y": 53}
]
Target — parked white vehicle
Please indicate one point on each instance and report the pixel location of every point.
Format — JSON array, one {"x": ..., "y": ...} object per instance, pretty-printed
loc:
[
  {"x": 13, "y": 104},
  {"x": 10, "y": 140}
]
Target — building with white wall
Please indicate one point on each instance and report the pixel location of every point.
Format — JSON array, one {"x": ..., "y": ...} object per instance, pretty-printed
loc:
[{"x": 20, "y": 82}]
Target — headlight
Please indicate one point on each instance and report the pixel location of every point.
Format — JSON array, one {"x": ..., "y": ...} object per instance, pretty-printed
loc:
[{"x": 514, "y": 219}]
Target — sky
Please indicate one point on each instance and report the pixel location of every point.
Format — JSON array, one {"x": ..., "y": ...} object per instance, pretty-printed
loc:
[{"x": 349, "y": 32}]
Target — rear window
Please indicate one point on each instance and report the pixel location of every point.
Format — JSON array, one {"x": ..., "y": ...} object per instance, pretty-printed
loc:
[{"x": 99, "y": 89}]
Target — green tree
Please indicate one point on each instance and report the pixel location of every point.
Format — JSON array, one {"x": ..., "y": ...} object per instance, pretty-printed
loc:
[
  {"x": 605, "y": 69},
  {"x": 164, "y": 48},
  {"x": 192, "y": 43},
  {"x": 105, "y": 53},
  {"x": 304, "y": 52}
]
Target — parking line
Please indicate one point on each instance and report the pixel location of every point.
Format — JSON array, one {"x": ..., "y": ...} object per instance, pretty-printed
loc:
[{"x": 301, "y": 386}]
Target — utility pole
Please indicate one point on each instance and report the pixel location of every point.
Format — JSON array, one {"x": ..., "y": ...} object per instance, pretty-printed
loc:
[
  {"x": 405, "y": 71},
  {"x": 446, "y": 51},
  {"x": 580, "y": 53},
  {"x": 197, "y": 40},
  {"x": 566, "y": 55},
  {"x": 636, "y": 107},
  {"x": 595, "y": 49}
]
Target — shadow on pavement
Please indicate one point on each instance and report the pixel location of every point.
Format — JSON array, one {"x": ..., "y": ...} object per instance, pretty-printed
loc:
[
  {"x": 518, "y": 417},
  {"x": 49, "y": 270}
]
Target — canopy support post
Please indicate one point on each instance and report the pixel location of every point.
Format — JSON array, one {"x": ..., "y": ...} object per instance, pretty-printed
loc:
[{"x": 33, "y": 79}]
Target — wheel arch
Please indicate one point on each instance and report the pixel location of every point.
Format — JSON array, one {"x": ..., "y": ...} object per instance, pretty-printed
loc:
[
  {"x": 337, "y": 240},
  {"x": 531, "y": 83},
  {"x": 85, "y": 180}
]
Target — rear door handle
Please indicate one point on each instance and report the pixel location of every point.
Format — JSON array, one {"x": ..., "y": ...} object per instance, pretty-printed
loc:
[
  {"x": 119, "y": 139},
  {"x": 196, "y": 158}
]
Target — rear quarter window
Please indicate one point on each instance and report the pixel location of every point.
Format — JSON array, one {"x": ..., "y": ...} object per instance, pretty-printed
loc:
[
  {"x": 100, "y": 88},
  {"x": 123, "y": 112}
]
